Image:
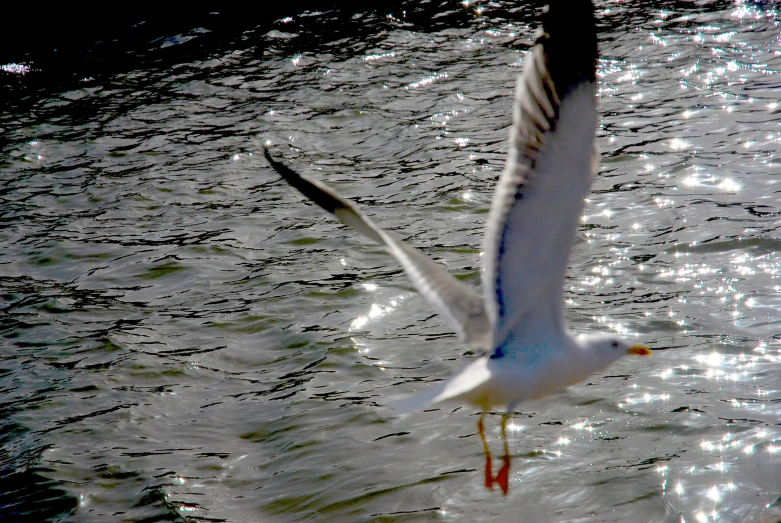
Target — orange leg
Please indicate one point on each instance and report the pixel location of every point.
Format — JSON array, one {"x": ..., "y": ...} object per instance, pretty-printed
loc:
[{"x": 489, "y": 476}]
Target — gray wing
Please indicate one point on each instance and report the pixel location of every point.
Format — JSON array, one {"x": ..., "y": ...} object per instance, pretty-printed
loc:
[
  {"x": 552, "y": 159},
  {"x": 460, "y": 305}
]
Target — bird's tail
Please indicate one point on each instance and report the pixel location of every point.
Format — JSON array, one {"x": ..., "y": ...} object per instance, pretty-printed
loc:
[
  {"x": 411, "y": 402},
  {"x": 464, "y": 386}
]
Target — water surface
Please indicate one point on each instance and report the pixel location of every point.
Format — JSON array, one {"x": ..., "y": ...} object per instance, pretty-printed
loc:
[{"x": 186, "y": 339}]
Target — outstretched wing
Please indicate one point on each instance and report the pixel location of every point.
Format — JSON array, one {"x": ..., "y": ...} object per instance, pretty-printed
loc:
[
  {"x": 551, "y": 162},
  {"x": 460, "y": 305}
]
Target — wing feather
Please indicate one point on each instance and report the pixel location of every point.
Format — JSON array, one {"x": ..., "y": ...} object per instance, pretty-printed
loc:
[
  {"x": 461, "y": 305},
  {"x": 547, "y": 175}
]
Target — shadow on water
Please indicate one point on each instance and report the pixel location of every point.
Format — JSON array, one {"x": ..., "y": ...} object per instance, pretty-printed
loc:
[
  {"x": 26, "y": 493},
  {"x": 63, "y": 47}
]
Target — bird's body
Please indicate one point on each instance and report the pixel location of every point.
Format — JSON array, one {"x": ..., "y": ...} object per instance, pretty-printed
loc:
[
  {"x": 518, "y": 321},
  {"x": 537, "y": 366}
]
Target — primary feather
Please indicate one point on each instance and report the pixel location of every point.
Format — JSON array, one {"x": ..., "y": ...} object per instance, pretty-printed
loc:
[{"x": 547, "y": 174}]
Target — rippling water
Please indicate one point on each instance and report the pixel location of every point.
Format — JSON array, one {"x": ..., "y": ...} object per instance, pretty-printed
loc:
[{"x": 184, "y": 338}]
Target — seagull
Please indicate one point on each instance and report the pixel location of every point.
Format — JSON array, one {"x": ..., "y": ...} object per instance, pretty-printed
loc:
[{"x": 518, "y": 322}]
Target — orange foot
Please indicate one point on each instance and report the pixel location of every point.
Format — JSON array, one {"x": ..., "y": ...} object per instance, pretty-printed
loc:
[{"x": 503, "y": 476}]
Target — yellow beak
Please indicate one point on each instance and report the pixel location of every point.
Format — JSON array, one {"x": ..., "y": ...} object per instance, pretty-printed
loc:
[{"x": 640, "y": 350}]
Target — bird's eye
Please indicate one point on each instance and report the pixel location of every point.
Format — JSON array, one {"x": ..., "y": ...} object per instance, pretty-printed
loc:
[{"x": 615, "y": 344}]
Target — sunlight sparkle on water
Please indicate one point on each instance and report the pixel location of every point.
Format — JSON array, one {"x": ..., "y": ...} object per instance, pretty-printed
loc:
[
  {"x": 729, "y": 185},
  {"x": 426, "y": 81},
  {"x": 376, "y": 309},
  {"x": 15, "y": 68},
  {"x": 713, "y": 359},
  {"x": 380, "y": 56}
]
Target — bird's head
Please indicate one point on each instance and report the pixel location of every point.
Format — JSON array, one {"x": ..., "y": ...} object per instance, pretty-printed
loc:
[{"x": 607, "y": 348}]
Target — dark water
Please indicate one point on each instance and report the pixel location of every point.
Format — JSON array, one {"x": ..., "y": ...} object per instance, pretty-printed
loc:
[{"x": 184, "y": 339}]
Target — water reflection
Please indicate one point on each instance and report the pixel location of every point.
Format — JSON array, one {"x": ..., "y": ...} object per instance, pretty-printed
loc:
[{"x": 376, "y": 310}]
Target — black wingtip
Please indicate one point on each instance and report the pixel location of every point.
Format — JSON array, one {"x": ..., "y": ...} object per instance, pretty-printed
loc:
[
  {"x": 570, "y": 42},
  {"x": 317, "y": 192},
  {"x": 283, "y": 170}
]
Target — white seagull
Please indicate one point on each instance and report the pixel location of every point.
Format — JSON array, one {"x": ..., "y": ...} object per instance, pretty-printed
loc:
[{"x": 518, "y": 321}]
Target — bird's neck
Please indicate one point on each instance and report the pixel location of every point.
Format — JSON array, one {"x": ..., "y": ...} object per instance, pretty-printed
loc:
[{"x": 583, "y": 360}]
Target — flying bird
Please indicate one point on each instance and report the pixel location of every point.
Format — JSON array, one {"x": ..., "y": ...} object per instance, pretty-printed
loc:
[{"x": 518, "y": 321}]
